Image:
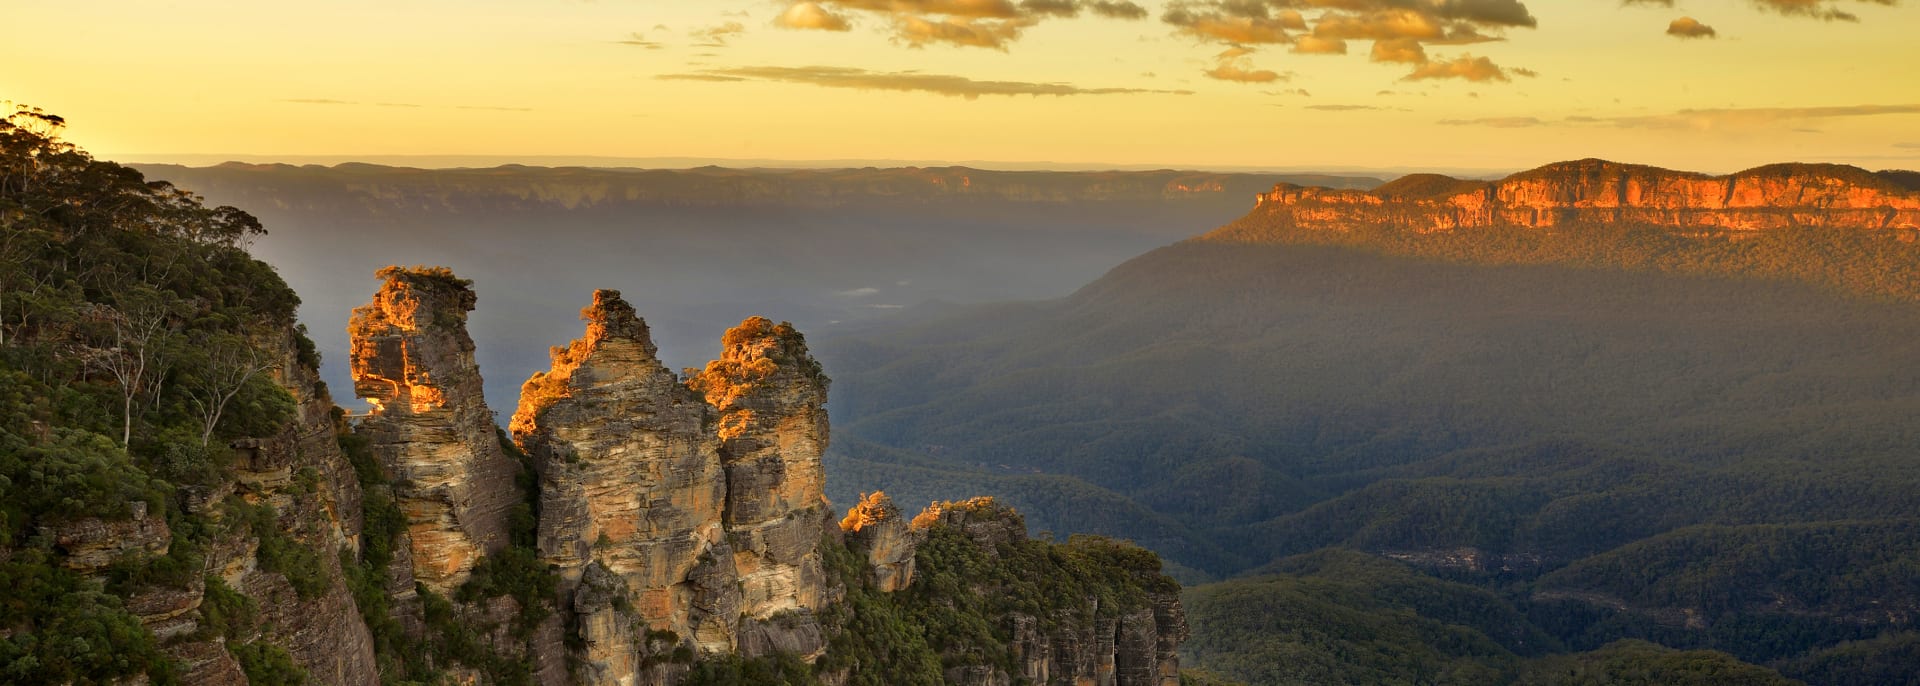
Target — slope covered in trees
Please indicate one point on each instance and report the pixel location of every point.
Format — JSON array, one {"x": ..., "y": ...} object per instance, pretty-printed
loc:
[{"x": 1627, "y": 433}]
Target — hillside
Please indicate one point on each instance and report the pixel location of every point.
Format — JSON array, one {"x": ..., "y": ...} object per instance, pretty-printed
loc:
[
  {"x": 1554, "y": 413},
  {"x": 698, "y": 250},
  {"x": 181, "y": 502}
]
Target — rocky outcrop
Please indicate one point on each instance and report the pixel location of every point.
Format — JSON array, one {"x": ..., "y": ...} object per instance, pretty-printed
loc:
[
  {"x": 1596, "y": 191},
  {"x": 875, "y": 525},
  {"x": 680, "y": 515},
  {"x": 412, "y": 360},
  {"x": 1134, "y": 644},
  {"x": 631, "y": 490},
  {"x": 769, "y": 397}
]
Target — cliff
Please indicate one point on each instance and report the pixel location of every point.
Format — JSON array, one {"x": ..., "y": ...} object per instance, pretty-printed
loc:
[
  {"x": 412, "y": 360},
  {"x": 1601, "y": 192}
]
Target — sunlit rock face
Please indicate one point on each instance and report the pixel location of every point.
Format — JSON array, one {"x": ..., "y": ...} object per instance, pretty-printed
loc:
[
  {"x": 875, "y": 525},
  {"x": 412, "y": 360},
  {"x": 770, "y": 398},
  {"x": 681, "y": 514},
  {"x": 1597, "y": 191},
  {"x": 631, "y": 489}
]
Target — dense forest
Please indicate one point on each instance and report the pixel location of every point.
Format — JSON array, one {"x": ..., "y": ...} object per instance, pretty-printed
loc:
[{"x": 1623, "y": 434}]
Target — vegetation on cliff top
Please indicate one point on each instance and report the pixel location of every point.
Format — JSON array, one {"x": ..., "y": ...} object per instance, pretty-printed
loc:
[{"x": 135, "y": 339}]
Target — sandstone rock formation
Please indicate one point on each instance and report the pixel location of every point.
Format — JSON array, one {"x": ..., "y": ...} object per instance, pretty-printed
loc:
[
  {"x": 1598, "y": 191},
  {"x": 679, "y": 513},
  {"x": 413, "y": 361},
  {"x": 770, "y": 400},
  {"x": 875, "y": 525},
  {"x": 631, "y": 489}
]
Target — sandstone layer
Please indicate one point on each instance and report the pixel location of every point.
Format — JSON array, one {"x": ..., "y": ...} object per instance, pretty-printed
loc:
[
  {"x": 1597, "y": 191},
  {"x": 412, "y": 360}
]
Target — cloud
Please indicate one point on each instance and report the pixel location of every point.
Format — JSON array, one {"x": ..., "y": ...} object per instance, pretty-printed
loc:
[
  {"x": 1117, "y": 10},
  {"x": 979, "y": 33},
  {"x": 716, "y": 36},
  {"x": 811, "y": 16},
  {"x": 1235, "y": 22},
  {"x": 939, "y": 84},
  {"x": 319, "y": 101},
  {"x": 1688, "y": 27},
  {"x": 1051, "y": 8},
  {"x": 992, "y": 24},
  {"x": 1233, "y": 65},
  {"x": 1496, "y": 122},
  {"x": 857, "y": 292},
  {"x": 1476, "y": 69},
  {"x": 1344, "y": 108},
  {"x": 1826, "y": 10},
  {"x": 1910, "y": 146},
  {"x": 1399, "y": 30},
  {"x": 1311, "y": 45},
  {"x": 1718, "y": 119},
  {"x": 1403, "y": 50},
  {"x": 639, "y": 40}
]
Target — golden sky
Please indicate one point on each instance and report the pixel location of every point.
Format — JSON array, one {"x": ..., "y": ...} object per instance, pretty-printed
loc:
[{"x": 1710, "y": 85}]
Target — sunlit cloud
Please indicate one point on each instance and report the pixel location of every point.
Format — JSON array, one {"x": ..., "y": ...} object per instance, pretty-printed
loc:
[
  {"x": 1234, "y": 65},
  {"x": 810, "y": 15},
  {"x": 939, "y": 84},
  {"x": 1468, "y": 67},
  {"x": 1399, "y": 30},
  {"x": 717, "y": 36},
  {"x": 1688, "y": 27},
  {"x": 992, "y": 24}
]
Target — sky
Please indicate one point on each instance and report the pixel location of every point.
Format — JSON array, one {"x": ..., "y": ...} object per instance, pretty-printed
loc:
[{"x": 1706, "y": 85}]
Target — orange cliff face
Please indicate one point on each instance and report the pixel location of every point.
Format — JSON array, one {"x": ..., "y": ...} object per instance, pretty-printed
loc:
[{"x": 1597, "y": 191}]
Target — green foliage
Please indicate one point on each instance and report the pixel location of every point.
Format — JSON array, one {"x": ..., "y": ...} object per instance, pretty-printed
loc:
[
  {"x": 278, "y": 552},
  {"x": 1733, "y": 445},
  {"x": 1882, "y": 661},
  {"x": 225, "y": 612},
  {"x": 732, "y": 670},
  {"x": 1638, "y": 663},
  {"x": 519, "y": 573},
  {"x": 116, "y": 296},
  {"x": 966, "y": 594},
  {"x": 267, "y": 665},
  {"x": 64, "y": 629}
]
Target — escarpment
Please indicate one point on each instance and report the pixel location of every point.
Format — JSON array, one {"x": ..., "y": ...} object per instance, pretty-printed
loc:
[
  {"x": 430, "y": 427},
  {"x": 1598, "y": 192}
]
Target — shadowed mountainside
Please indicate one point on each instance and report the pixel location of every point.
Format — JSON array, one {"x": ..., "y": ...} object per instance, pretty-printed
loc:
[{"x": 1554, "y": 411}]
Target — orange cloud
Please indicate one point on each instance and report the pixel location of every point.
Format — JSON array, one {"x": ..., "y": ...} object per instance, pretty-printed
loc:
[
  {"x": 1688, "y": 27},
  {"x": 1476, "y": 69},
  {"x": 810, "y": 15}
]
